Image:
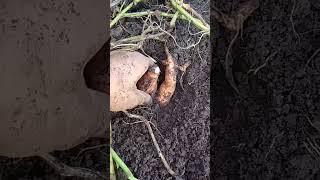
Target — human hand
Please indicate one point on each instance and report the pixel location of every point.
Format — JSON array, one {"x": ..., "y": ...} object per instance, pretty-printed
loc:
[{"x": 126, "y": 68}]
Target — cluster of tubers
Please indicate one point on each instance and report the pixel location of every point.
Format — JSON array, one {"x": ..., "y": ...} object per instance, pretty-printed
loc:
[
  {"x": 149, "y": 81},
  {"x": 134, "y": 80}
]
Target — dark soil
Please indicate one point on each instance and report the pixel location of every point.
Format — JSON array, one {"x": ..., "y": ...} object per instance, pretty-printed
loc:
[
  {"x": 34, "y": 168},
  {"x": 184, "y": 123},
  {"x": 267, "y": 133}
]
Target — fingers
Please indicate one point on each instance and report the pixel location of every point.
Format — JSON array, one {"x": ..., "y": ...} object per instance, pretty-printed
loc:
[
  {"x": 143, "y": 98},
  {"x": 133, "y": 64},
  {"x": 128, "y": 100},
  {"x": 138, "y": 98},
  {"x": 126, "y": 68}
]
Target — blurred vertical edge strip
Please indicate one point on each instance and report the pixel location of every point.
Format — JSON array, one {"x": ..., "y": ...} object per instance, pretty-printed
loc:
[
  {"x": 213, "y": 37},
  {"x": 107, "y": 55}
]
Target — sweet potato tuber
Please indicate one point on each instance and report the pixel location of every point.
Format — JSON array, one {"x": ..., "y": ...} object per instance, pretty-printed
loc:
[
  {"x": 149, "y": 81},
  {"x": 168, "y": 86}
]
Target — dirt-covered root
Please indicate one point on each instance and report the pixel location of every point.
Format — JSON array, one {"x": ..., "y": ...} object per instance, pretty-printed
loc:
[
  {"x": 154, "y": 140},
  {"x": 235, "y": 20},
  {"x": 149, "y": 81},
  {"x": 168, "y": 86},
  {"x": 68, "y": 171}
]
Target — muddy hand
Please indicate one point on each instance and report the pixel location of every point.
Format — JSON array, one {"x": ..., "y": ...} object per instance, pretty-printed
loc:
[{"x": 126, "y": 68}]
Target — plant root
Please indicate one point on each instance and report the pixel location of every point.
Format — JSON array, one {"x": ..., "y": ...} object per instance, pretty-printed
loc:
[
  {"x": 292, "y": 23},
  {"x": 155, "y": 143},
  {"x": 183, "y": 69},
  {"x": 272, "y": 145},
  {"x": 310, "y": 143},
  {"x": 228, "y": 64},
  {"x": 314, "y": 146},
  {"x": 135, "y": 42},
  {"x": 235, "y": 21},
  {"x": 68, "y": 171},
  {"x": 90, "y": 148},
  {"x": 309, "y": 60},
  {"x": 255, "y": 71},
  {"x": 310, "y": 122}
]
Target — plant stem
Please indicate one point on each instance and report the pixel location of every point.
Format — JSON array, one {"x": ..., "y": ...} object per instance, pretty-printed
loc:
[
  {"x": 119, "y": 16},
  {"x": 195, "y": 21},
  {"x": 145, "y": 13},
  {"x": 195, "y": 13},
  {"x": 122, "y": 165},
  {"x": 112, "y": 170},
  {"x": 174, "y": 19},
  {"x": 183, "y": 15},
  {"x": 138, "y": 38}
]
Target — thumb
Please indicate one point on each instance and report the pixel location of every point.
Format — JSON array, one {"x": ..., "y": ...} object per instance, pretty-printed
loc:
[
  {"x": 144, "y": 98},
  {"x": 124, "y": 100},
  {"x": 140, "y": 98}
]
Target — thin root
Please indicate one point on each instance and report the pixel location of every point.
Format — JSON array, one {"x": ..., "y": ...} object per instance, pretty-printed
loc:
[
  {"x": 255, "y": 71},
  {"x": 186, "y": 47},
  {"x": 291, "y": 20},
  {"x": 309, "y": 149},
  {"x": 311, "y": 145},
  {"x": 138, "y": 122},
  {"x": 229, "y": 74},
  {"x": 68, "y": 171},
  {"x": 235, "y": 21},
  {"x": 147, "y": 123},
  {"x": 309, "y": 60},
  {"x": 136, "y": 41},
  {"x": 90, "y": 148},
  {"x": 272, "y": 145},
  {"x": 315, "y": 146},
  {"x": 183, "y": 69}
]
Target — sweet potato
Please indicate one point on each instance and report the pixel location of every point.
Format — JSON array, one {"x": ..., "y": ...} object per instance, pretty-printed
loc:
[
  {"x": 168, "y": 86},
  {"x": 149, "y": 81}
]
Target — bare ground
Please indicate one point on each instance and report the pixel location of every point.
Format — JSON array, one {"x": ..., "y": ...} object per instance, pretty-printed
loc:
[{"x": 271, "y": 133}]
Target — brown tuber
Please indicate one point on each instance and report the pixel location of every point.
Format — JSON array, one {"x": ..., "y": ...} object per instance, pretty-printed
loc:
[
  {"x": 149, "y": 81},
  {"x": 168, "y": 86}
]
